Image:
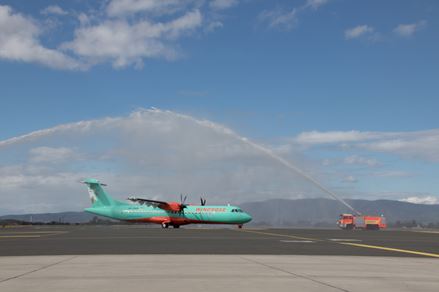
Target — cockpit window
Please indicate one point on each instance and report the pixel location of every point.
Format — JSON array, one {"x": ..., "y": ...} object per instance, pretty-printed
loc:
[{"x": 237, "y": 210}]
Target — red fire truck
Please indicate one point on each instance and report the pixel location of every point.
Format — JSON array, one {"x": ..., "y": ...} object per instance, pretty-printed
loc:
[{"x": 349, "y": 221}]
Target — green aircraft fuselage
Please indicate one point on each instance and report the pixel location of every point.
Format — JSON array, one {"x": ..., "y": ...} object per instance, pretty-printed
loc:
[{"x": 168, "y": 215}]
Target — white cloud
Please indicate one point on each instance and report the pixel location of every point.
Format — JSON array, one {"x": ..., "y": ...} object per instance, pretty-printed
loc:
[
  {"x": 356, "y": 32},
  {"x": 316, "y": 137},
  {"x": 279, "y": 18},
  {"x": 355, "y": 159},
  {"x": 19, "y": 41},
  {"x": 392, "y": 173},
  {"x": 53, "y": 9},
  {"x": 126, "y": 7},
  {"x": 214, "y": 25},
  {"x": 125, "y": 34},
  {"x": 222, "y": 4},
  {"x": 125, "y": 44},
  {"x": 427, "y": 200},
  {"x": 349, "y": 179},
  {"x": 51, "y": 154},
  {"x": 287, "y": 19},
  {"x": 315, "y": 4},
  {"x": 407, "y": 30},
  {"x": 420, "y": 145}
]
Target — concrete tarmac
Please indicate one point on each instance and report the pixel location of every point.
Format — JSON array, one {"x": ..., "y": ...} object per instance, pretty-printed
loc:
[
  {"x": 138, "y": 239},
  {"x": 217, "y": 273},
  {"x": 115, "y": 258}
]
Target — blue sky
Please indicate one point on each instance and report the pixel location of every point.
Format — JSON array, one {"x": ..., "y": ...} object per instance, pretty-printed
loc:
[{"x": 350, "y": 87}]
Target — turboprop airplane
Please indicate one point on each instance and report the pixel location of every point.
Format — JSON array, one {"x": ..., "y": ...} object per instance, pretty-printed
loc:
[{"x": 159, "y": 212}]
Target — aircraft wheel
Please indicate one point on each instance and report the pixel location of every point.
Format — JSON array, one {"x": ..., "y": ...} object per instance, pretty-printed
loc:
[
  {"x": 176, "y": 226},
  {"x": 165, "y": 225},
  {"x": 240, "y": 226}
]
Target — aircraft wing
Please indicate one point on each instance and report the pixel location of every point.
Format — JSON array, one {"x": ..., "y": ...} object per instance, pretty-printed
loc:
[
  {"x": 149, "y": 202},
  {"x": 169, "y": 206}
]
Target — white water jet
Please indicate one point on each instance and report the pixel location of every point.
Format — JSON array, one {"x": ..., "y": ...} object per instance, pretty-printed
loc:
[
  {"x": 267, "y": 152},
  {"x": 84, "y": 126}
]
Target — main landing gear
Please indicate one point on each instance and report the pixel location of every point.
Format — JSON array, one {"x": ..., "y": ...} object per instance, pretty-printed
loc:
[
  {"x": 166, "y": 225},
  {"x": 240, "y": 226}
]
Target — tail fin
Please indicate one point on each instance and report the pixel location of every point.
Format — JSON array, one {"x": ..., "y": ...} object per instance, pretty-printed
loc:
[{"x": 98, "y": 197}]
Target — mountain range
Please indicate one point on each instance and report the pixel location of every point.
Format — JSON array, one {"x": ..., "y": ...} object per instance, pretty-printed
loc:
[{"x": 325, "y": 212}]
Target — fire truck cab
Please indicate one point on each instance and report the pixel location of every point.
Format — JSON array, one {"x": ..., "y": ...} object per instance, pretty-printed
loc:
[{"x": 346, "y": 221}]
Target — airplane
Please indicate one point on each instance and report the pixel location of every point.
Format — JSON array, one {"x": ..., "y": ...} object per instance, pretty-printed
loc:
[{"x": 165, "y": 213}]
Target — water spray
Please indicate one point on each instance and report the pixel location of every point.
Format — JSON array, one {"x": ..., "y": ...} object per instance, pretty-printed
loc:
[
  {"x": 267, "y": 152},
  {"x": 84, "y": 126},
  {"x": 300, "y": 172}
]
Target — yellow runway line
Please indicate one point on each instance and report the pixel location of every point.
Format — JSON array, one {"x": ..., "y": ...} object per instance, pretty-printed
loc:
[
  {"x": 277, "y": 234},
  {"x": 427, "y": 254}
]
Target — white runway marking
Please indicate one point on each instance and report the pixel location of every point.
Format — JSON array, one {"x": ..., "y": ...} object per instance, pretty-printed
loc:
[
  {"x": 427, "y": 231},
  {"x": 29, "y": 234},
  {"x": 345, "y": 240},
  {"x": 297, "y": 241},
  {"x": 19, "y": 236}
]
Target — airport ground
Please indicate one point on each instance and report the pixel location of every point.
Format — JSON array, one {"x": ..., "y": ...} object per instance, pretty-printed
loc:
[{"x": 113, "y": 258}]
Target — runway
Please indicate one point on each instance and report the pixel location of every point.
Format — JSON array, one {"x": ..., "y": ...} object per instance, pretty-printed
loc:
[
  {"x": 115, "y": 258},
  {"x": 138, "y": 239}
]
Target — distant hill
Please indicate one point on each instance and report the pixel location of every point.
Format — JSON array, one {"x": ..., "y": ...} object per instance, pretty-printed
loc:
[
  {"x": 319, "y": 212},
  {"x": 62, "y": 217}
]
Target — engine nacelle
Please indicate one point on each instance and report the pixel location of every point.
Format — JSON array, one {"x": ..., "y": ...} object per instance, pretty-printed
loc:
[{"x": 173, "y": 206}]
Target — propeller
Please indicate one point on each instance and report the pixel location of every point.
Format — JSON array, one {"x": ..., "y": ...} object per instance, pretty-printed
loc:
[
  {"x": 203, "y": 201},
  {"x": 182, "y": 202}
]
